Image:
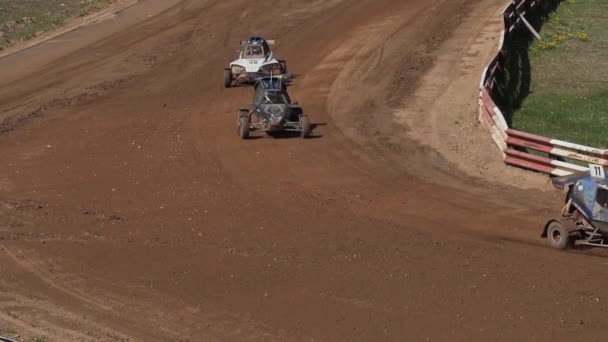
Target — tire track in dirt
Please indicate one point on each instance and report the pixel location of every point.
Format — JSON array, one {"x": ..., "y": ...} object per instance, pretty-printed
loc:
[{"x": 45, "y": 318}]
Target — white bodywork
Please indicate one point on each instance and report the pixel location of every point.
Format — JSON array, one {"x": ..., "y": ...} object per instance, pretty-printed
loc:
[
  {"x": 254, "y": 65},
  {"x": 255, "y": 59}
]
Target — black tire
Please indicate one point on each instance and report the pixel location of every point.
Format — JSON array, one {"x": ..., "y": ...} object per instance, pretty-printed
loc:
[
  {"x": 243, "y": 123},
  {"x": 305, "y": 124},
  {"x": 227, "y": 79},
  {"x": 557, "y": 235},
  {"x": 296, "y": 113},
  {"x": 244, "y": 127},
  {"x": 241, "y": 113}
]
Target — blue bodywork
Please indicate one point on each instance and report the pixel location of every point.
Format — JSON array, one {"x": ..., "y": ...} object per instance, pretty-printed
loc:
[{"x": 589, "y": 196}]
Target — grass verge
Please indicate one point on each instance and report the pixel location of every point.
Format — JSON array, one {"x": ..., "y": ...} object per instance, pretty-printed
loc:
[
  {"x": 568, "y": 97},
  {"x": 25, "y": 19}
]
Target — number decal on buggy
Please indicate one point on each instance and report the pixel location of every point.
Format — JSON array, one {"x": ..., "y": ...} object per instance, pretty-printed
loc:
[{"x": 597, "y": 171}]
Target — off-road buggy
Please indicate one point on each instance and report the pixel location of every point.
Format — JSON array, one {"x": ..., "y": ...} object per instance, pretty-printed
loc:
[
  {"x": 584, "y": 217},
  {"x": 272, "y": 111},
  {"x": 255, "y": 60}
]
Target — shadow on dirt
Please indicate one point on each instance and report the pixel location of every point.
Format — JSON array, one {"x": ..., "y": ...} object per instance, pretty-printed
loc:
[
  {"x": 254, "y": 137},
  {"x": 292, "y": 77},
  {"x": 317, "y": 124},
  {"x": 292, "y": 134},
  {"x": 505, "y": 240},
  {"x": 514, "y": 80}
]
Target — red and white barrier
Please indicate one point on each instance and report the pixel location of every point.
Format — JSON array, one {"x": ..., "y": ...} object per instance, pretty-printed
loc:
[
  {"x": 541, "y": 164},
  {"x": 525, "y": 150}
]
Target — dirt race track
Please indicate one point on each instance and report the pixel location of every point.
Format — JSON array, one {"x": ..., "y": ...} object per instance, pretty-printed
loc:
[{"x": 130, "y": 210}]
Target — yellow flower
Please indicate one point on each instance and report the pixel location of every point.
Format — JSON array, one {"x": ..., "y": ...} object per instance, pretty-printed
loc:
[{"x": 583, "y": 36}]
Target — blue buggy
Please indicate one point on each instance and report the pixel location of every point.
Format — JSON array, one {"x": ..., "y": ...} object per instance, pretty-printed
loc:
[{"x": 584, "y": 218}]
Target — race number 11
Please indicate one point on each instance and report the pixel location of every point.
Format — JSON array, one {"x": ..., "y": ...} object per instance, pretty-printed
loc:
[{"x": 597, "y": 171}]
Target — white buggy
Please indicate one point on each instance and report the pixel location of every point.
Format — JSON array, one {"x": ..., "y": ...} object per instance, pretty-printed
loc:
[{"x": 255, "y": 60}]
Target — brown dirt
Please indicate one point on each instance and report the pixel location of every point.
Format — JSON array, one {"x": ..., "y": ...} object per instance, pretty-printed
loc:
[
  {"x": 443, "y": 110},
  {"x": 129, "y": 208}
]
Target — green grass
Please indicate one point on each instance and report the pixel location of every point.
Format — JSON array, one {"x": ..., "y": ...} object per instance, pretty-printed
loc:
[
  {"x": 25, "y": 19},
  {"x": 573, "y": 118},
  {"x": 569, "y": 86}
]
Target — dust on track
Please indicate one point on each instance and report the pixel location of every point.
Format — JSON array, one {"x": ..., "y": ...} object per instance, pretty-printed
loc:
[{"x": 145, "y": 200}]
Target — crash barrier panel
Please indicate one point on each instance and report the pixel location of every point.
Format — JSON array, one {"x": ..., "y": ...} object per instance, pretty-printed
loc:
[
  {"x": 564, "y": 157},
  {"x": 520, "y": 149}
]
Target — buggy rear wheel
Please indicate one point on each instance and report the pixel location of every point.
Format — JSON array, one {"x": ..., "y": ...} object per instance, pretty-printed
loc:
[
  {"x": 557, "y": 235},
  {"x": 227, "y": 78},
  {"x": 283, "y": 66},
  {"x": 243, "y": 124},
  {"x": 305, "y": 124}
]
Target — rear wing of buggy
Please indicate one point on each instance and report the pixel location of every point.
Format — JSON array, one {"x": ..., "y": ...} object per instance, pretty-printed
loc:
[{"x": 246, "y": 42}]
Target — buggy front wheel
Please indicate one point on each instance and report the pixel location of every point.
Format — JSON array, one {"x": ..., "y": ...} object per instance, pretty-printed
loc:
[
  {"x": 227, "y": 78},
  {"x": 283, "y": 66},
  {"x": 244, "y": 126},
  {"x": 557, "y": 235},
  {"x": 305, "y": 125}
]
